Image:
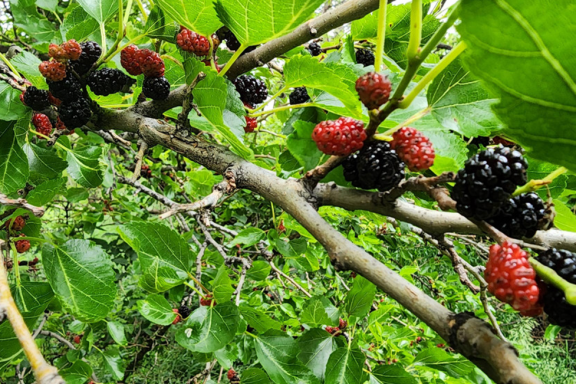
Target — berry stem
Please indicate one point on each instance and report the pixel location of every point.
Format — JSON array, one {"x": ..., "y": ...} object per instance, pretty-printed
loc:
[
  {"x": 16, "y": 264},
  {"x": 432, "y": 74},
  {"x": 199, "y": 284},
  {"x": 233, "y": 59},
  {"x": 413, "y": 65},
  {"x": 534, "y": 185},
  {"x": 9, "y": 64},
  {"x": 281, "y": 91},
  {"x": 194, "y": 289},
  {"x": 381, "y": 34},
  {"x": 417, "y": 116},
  {"x": 103, "y": 38},
  {"x": 128, "y": 11},
  {"x": 551, "y": 277},
  {"x": 415, "y": 30},
  {"x": 142, "y": 10},
  {"x": 283, "y": 108}
]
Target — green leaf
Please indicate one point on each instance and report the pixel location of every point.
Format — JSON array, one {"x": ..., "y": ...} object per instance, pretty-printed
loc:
[
  {"x": 84, "y": 166},
  {"x": 302, "y": 147},
  {"x": 27, "y": 64},
  {"x": 260, "y": 270},
  {"x": 210, "y": 95},
  {"x": 529, "y": 66},
  {"x": 345, "y": 366},
  {"x": 45, "y": 192},
  {"x": 538, "y": 170},
  {"x": 158, "y": 246},
  {"x": 255, "y": 376},
  {"x": 100, "y": 10},
  {"x": 156, "y": 309},
  {"x": 82, "y": 278},
  {"x": 460, "y": 102},
  {"x": 565, "y": 218},
  {"x": 259, "y": 21},
  {"x": 44, "y": 163},
  {"x": 277, "y": 352},
  {"x": 12, "y": 107},
  {"x": 13, "y": 164},
  {"x": 31, "y": 298},
  {"x": 450, "y": 149},
  {"x": 116, "y": 330},
  {"x": 309, "y": 72},
  {"x": 392, "y": 374},
  {"x": 157, "y": 279},
  {"x": 26, "y": 16},
  {"x": 314, "y": 314},
  {"x": 248, "y": 237},
  {"x": 442, "y": 361},
  {"x": 157, "y": 28},
  {"x": 209, "y": 328},
  {"x": 78, "y": 25},
  {"x": 78, "y": 373},
  {"x": 315, "y": 347},
  {"x": 222, "y": 286},
  {"x": 114, "y": 363},
  {"x": 198, "y": 16},
  {"x": 359, "y": 299},
  {"x": 258, "y": 319}
]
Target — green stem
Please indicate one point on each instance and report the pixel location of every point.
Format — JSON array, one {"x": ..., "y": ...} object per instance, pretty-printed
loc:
[
  {"x": 271, "y": 133},
  {"x": 285, "y": 107},
  {"x": 415, "y": 63},
  {"x": 194, "y": 289},
  {"x": 432, "y": 74},
  {"x": 381, "y": 34},
  {"x": 551, "y": 277},
  {"x": 273, "y": 215},
  {"x": 233, "y": 59},
  {"x": 271, "y": 99},
  {"x": 103, "y": 37},
  {"x": 534, "y": 185},
  {"x": 197, "y": 282},
  {"x": 415, "y": 117},
  {"x": 57, "y": 17},
  {"x": 15, "y": 263},
  {"x": 9, "y": 64},
  {"x": 111, "y": 54},
  {"x": 142, "y": 10},
  {"x": 128, "y": 11},
  {"x": 415, "y": 29}
]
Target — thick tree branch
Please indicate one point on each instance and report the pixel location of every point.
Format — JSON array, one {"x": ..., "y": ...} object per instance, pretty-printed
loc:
[{"x": 340, "y": 15}]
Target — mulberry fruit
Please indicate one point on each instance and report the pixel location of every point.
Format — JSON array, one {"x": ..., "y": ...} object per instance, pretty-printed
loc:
[
  {"x": 129, "y": 58},
  {"x": 150, "y": 63},
  {"x": 66, "y": 90},
  {"x": 365, "y": 57},
  {"x": 315, "y": 49},
  {"x": 53, "y": 70},
  {"x": 299, "y": 96},
  {"x": 37, "y": 99},
  {"x": 340, "y": 137},
  {"x": 75, "y": 114},
  {"x": 251, "y": 90},
  {"x": 414, "y": 149},
  {"x": 511, "y": 278},
  {"x": 156, "y": 88},
  {"x": 91, "y": 52},
  {"x": 520, "y": 217},
  {"x": 487, "y": 181},
  {"x": 22, "y": 245},
  {"x": 107, "y": 81},
  {"x": 375, "y": 166},
  {"x": 16, "y": 224},
  {"x": 42, "y": 124},
  {"x": 192, "y": 42},
  {"x": 374, "y": 89}
]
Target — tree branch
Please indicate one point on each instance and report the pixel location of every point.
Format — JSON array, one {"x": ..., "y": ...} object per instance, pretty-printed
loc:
[{"x": 21, "y": 203}]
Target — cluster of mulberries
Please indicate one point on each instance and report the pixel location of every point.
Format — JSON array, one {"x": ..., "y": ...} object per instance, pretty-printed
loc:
[
  {"x": 14, "y": 226},
  {"x": 148, "y": 63}
]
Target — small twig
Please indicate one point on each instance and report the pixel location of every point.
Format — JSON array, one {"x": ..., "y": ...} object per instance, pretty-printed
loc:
[
  {"x": 40, "y": 326},
  {"x": 318, "y": 173},
  {"x": 207, "y": 202},
  {"x": 240, "y": 284},
  {"x": 290, "y": 280},
  {"x": 56, "y": 336},
  {"x": 139, "y": 157},
  {"x": 21, "y": 203}
]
